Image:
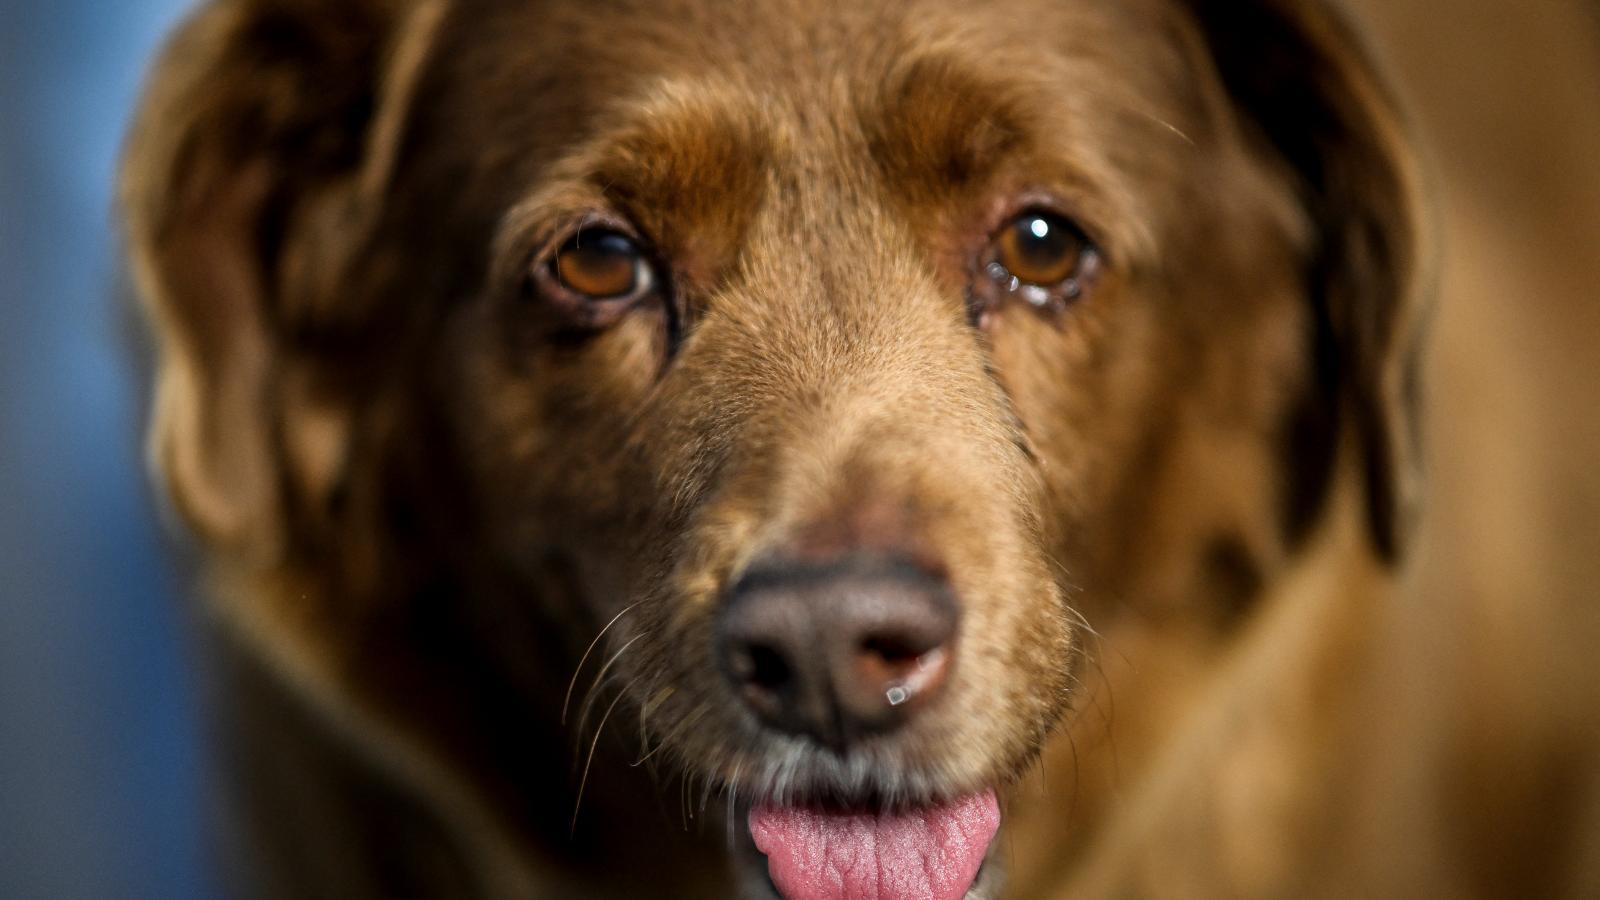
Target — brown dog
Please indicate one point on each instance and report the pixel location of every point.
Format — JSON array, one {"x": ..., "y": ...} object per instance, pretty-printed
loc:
[{"x": 765, "y": 405}]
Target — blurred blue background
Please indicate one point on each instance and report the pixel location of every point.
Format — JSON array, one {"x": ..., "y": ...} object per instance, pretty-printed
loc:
[{"x": 100, "y": 768}]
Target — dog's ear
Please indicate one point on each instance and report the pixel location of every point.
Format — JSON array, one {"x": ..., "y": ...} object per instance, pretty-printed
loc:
[
  {"x": 253, "y": 176},
  {"x": 1306, "y": 89}
]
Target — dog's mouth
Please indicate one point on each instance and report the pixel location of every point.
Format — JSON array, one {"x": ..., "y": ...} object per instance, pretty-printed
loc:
[{"x": 821, "y": 853}]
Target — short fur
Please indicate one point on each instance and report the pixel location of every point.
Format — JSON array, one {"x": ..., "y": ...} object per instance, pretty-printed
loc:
[{"x": 465, "y": 556}]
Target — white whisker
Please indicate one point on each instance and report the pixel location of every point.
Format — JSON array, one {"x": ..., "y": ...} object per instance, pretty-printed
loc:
[
  {"x": 599, "y": 678},
  {"x": 584, "y": 782},
  {"x": 585, "y": 658}
]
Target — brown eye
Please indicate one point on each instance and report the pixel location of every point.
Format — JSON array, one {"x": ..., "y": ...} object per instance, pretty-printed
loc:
[
  {"x": 601, "y": 264},
  {"x": 1041, "y": 249}
]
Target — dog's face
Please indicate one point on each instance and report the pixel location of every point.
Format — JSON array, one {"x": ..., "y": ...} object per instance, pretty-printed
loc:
[{"x": 837, "y": 360}]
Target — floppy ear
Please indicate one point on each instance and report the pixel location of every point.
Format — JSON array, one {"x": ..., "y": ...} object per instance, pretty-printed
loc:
[
  {"x": 1307, "y": 89},
  {"x": 251, "y": 183}
]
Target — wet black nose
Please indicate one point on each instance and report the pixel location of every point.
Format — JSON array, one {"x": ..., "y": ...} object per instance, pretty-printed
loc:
[{"x": 840, "y": 650}]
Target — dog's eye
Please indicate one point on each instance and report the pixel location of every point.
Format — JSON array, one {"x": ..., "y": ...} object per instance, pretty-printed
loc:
[
  {"x": 1038, "y": 256},
  {"x": 1041, "y": 249},
  {"x": 601, "y": 264}
]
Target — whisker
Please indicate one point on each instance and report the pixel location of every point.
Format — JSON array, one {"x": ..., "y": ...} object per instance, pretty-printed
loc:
[
  {"x": 669, "y": 737},
  {"x": 1168, "y": 126},
  {"x": 585, "y": 658},
  {"x": 584, "y": 782},
  {"x": 646, "y": 709},
  {"x": 1138, "y": 108},
  {"x": 599, "y": 678},
  {"x": 705, "y": 794}
]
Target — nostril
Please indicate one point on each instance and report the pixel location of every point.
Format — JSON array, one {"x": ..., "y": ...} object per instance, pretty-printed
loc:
[
  {"x": 891, "y": 650},
  {"x": 765, "y": 677},
  {"x": 764, "y": 667}
]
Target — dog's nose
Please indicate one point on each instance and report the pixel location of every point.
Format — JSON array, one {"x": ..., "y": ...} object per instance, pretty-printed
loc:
[{"x": 837, "y": 651}]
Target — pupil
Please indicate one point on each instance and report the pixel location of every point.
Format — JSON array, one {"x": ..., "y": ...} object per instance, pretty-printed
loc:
[
  {"x": 1042, "y": 242},
  {"x": 603, "y": 244}
]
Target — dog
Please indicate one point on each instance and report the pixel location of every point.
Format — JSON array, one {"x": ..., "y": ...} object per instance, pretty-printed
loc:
[{"x": 769, "y": 449}]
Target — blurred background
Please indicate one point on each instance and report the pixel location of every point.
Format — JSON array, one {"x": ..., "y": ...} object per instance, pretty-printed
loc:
[
  {"x": 102, "y": 768},
  {"x": 100, "y": 749}
]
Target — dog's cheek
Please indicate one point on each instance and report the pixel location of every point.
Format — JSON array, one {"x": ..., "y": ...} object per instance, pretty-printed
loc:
[
  {"x": 1085, "y": 388},
  {"x": 548, "y": 419},
  {"x": 533, "y": 434},
  {"x": 1039, "y": 655},
  {"x": 686, "y": 719},
  {"x": 1016, "y": 647}
]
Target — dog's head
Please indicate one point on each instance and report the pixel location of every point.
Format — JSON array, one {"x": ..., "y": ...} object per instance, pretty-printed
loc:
[{"x": 833, "y": 358}]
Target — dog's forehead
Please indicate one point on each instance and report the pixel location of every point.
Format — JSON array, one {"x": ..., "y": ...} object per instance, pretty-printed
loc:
[
  {"x": 821, "y": 53},
  {"x": 819, "y": 72}
]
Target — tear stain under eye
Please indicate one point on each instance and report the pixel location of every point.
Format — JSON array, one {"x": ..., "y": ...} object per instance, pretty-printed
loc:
[{"x": 1034, "y": 295}]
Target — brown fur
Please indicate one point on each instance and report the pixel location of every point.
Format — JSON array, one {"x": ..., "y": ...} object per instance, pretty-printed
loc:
[{"x": 1173, "y": 510}]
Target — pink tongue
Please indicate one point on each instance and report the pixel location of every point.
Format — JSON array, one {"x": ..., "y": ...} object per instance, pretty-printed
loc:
[{"x": 927, "y": 854}]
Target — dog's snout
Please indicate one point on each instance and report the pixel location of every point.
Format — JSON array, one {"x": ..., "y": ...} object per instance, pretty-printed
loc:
[{"x": 837, "y": 651}]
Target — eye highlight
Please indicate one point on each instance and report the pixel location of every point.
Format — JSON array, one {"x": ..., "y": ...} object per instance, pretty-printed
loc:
[{"x": 601, "y": 264}]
